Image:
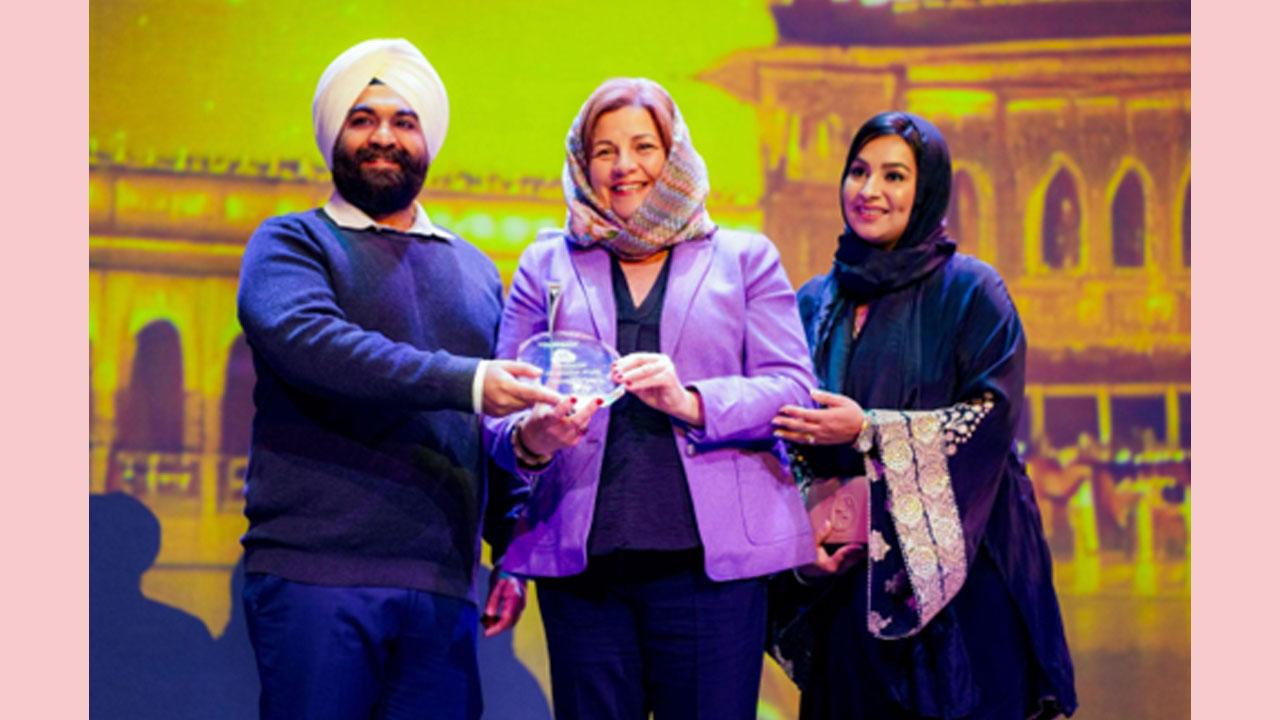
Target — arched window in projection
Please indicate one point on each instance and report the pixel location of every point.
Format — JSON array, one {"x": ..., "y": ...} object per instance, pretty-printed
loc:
[
  {"x": 1128, "y": 224},
  {"x": 237, "y": 421},
  {"x": 962, "y": 215},
  {"x": 1060, "y": 228},
  {"x": 149, "y": 425},
  {"x": 150, "y": 417},
  {"x": 1186, "y": 227}
]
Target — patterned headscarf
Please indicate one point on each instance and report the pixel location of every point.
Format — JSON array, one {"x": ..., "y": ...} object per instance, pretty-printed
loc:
[
  {"x": 397, "y": 64},
  {"x": 674, "y": 210}
]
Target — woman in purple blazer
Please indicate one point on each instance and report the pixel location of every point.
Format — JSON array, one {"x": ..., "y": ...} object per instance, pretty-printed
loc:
[{"x": 653, "y": 521}]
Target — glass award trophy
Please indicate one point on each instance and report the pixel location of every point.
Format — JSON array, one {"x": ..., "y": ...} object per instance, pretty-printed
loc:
[{"x": 573, "y": 363}]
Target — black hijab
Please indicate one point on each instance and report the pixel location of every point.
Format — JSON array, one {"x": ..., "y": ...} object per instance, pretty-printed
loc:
[
  {"x": 888, "y": 374},
  {"x": 866, "y": 271}
]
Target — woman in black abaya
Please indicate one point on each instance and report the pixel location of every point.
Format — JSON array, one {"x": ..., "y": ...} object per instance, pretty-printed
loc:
[{"x": 948, "y": 610}]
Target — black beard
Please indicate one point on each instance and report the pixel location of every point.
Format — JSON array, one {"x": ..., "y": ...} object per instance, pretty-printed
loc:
[{"x": 378, "y": 192}]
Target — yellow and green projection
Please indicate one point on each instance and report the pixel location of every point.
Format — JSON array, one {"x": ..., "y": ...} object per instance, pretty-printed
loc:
[{"x": 1069, "y": 126}]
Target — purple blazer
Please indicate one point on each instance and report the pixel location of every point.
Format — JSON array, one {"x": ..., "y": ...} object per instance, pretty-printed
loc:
[{"x": 730, "y": 325}]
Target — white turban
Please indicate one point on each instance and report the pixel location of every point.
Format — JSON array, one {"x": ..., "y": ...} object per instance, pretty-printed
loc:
[{"x": 397, "y": 64}]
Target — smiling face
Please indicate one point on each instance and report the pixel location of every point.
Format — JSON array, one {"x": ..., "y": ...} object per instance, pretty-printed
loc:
[
  {"x": 380, "y": 158},
  {"x": 879, "y": 190},
  {"x": 626, "y": 156}
]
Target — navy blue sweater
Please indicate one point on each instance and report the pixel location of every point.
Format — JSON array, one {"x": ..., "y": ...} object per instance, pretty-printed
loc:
[{"x": 366, "y": 466}]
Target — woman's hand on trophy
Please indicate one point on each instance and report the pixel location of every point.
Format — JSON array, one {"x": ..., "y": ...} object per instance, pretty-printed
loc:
[
  {"x": 549, "y": 428},
  {"x": 652, "y": 378},
  {"x": 839, "y": 423}
]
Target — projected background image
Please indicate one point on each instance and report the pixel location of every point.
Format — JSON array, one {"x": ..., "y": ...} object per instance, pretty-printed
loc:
[{"x": 1069, "y": 124}]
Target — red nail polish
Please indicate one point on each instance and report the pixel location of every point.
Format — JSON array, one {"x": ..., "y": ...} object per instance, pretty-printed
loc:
[
  {"x": 599, "y": 401},
  {"x": 573, "y": 400}
]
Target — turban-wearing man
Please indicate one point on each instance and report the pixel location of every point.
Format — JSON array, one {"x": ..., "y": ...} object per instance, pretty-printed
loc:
[{"x": 367, "y": 480}]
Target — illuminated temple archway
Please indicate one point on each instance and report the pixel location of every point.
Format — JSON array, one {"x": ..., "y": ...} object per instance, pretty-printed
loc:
[
  {"x": 148, "y": 460},
  {"x": 1060, "y": 223},
  {"x": 1129, "y": 228},
  {"x": 151, "y": 412}
]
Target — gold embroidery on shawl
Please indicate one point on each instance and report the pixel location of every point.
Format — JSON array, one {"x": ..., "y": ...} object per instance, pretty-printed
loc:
[
  {"x": 913, "y": 458},
  {"x": 896, "y": 454}
]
